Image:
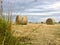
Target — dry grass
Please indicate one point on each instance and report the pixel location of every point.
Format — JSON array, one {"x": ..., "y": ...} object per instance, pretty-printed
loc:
[{"x": 41, "y": 34}]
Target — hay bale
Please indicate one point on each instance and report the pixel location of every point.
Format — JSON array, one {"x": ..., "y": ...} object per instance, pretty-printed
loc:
[
  {"x": 24, "y": 20},
  {"x": 21, "y": 20},
  {"x": 50, "y": 21},
  {"x": 18, "y": 19}
]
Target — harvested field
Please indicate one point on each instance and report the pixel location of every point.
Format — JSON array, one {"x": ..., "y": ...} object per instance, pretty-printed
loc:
[{"x": 38, "y": 34}]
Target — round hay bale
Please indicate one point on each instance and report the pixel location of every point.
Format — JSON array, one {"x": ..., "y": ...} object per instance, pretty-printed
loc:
[
  {"x": 18, "y": 19},
  {"x": 21, "y": 20},
  {"x": 50, "y": 21},
  {"x": 24, "y": 20}
]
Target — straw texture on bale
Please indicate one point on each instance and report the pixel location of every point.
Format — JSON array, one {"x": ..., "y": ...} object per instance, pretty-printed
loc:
[
  {"x": 21, "y": 20},
  {"x": 50, "y": 21},
  {"x": 24, "y": 20}
]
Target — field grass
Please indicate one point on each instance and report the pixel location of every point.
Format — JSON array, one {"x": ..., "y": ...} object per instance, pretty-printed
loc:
[
  {"x": 30, "y": 34},
  {"x": 6, "y": 37},
  {"x": 37, "y": 34}
]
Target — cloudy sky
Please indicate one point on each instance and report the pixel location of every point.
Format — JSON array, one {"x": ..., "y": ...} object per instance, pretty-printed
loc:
[{"x": 39, "y": 10}]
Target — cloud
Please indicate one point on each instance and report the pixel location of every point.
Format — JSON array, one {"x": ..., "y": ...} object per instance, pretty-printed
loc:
[
  {"x": 28, "y": 13},
  {"x": 36, "y": 10},
  {"x": 33, "y": 13},
  {"x": 30, "y": 7},
  {"x": 48, "y": 9},
  {"x": 54, "y": 6}
]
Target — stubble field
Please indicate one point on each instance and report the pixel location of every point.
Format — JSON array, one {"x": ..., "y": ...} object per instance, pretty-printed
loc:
[{"x": 37, "y": 34}]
